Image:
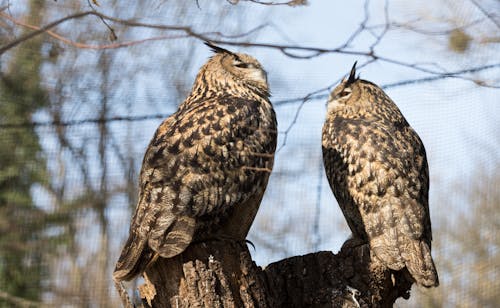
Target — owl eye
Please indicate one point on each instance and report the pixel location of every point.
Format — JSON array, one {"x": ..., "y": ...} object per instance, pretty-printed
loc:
[
  {"x": 241, "y": 65},
  {"x": 345, "y": 92}
]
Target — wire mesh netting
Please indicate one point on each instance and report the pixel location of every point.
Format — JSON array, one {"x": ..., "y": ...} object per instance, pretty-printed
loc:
[{"x": 80, "y": 103}]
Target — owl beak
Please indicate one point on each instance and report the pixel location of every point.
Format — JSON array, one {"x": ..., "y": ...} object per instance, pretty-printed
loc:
[
  {"x": 263, "y": 75},
  {"x": 332, "y": 105},
  {"x": 259, "y": 75}
]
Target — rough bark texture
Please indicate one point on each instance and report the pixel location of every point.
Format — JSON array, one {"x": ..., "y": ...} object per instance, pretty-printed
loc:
[{"x": 222, "y": 274}]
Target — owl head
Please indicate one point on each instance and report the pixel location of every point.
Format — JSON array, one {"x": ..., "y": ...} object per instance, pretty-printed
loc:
[
  {"x": 229, "y": 69},
  {"x": 355, "y": 95}
]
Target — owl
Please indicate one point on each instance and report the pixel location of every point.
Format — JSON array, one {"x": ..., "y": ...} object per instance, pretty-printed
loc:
[
  {"x": 377, "y": 169},
  {"x": 207, "y": 166}
]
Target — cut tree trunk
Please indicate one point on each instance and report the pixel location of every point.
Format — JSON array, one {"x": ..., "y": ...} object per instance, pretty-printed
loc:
[{"x": 222, "y": 274}]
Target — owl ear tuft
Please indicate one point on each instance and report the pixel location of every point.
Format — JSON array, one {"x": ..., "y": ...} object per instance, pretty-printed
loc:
[
  {"x": 352, "y": 75},
  {"x": 217, "y": 49}
]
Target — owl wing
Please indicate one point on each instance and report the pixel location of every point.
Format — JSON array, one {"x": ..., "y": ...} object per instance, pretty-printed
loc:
[
  {"x": 201, "y": 162},
  {"x": 382, "y": 188},
  {"x": 340, "y": 142},
  {"x": 416, "y": 247}
]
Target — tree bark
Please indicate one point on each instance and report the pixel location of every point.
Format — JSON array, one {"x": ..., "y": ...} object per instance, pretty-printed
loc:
[{"x": 222, "y": 274}]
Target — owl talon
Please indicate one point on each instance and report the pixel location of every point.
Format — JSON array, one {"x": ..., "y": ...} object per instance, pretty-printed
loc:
[{"x": 251, "y": 244}]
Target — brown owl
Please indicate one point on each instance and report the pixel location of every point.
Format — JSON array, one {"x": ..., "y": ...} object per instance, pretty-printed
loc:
[
  {"x": 377, "y": 168},
  {"x": 206, "y": 169}
]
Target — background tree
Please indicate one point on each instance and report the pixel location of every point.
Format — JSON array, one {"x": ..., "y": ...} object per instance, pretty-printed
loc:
[{"x": 22, "y": 166}]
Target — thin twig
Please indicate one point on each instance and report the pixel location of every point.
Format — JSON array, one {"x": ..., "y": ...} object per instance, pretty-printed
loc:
[
  {"x": 490, "y": 16},
  {"x": 385, "y": 29},
  {"x": 292, "y": 124},
  {"x": 122, "y": 44},
  {"x": 362, "y": 26},
  {"x": 285, "y": 49},
  {"x": 316, "y": 241},
  {"x": 44, "y": 29},
  {"x": 315, "y": 95},
  {"x": 18, "y": 301},
  {"x": 86, "y": 121},
  {"x": 112, "y": 31},
  {"x": 443, "y": 76},
  {"x": 288, "y": 3}
]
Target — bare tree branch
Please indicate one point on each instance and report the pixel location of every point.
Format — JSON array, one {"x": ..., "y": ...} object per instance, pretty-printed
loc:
[
  {"x": 483, "y": 10},
  {"x": 288, "y": 50},
  {"x": 362, "y": 26},
  {"x": 315, "y": 95},
  {"x": 20, "y": 302},
  {"x": 456, "y": 74},
  {"x": 288, "y": 3},
  {"x": 384, "y": 30},
  {"x": 87, "y": 121},
  {"x": 119, "y": 44},
  {"x": 410, "y": 27},
  {"x": 113, "y": 35},
  {"x": 28, "y": 36}
]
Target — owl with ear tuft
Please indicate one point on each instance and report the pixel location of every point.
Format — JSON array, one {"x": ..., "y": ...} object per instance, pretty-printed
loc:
[
  {"x": 377, "y": 169},
  {"x": 207, "y": 166}
]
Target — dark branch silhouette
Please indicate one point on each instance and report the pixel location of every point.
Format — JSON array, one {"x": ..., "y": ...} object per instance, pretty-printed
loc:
[
  {"x": 292, "y": 51},
  {"x": 320, "y": 94}
]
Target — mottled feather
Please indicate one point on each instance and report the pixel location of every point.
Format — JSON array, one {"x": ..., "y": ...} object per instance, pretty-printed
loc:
[
  {"x": 206, "y": 169},
  {"x": 377, "y": 168}
]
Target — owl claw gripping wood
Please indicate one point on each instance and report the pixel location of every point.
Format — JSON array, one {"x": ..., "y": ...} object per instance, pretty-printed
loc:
[
  {"x": 206, "y": 169},
  {"x": 377, "y": 169}
]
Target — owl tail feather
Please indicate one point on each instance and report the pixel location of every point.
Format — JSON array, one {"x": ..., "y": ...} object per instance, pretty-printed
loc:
[
  {"x": 419, "y": 262},
  {"x": 134, "y": 259}
]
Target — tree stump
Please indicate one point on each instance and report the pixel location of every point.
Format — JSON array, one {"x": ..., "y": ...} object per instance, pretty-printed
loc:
[{"x": 222, "y": 274}]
